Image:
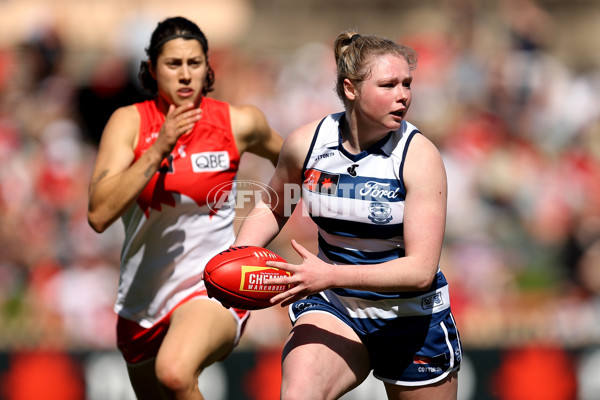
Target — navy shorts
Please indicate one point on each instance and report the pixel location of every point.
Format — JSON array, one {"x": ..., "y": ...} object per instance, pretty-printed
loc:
[{"x": 407, "y": 351}]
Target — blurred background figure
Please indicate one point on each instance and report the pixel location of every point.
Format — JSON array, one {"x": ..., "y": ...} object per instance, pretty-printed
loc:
[{"x": 508, "y": 90}]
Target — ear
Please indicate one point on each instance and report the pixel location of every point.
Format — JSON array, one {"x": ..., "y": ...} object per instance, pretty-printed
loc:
[
  {"x": 151, "y": 69},
  {"x": 350, "y": 90}
]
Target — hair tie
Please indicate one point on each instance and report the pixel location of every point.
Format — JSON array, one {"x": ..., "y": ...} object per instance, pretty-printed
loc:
[{"x": 354, "y": 37}]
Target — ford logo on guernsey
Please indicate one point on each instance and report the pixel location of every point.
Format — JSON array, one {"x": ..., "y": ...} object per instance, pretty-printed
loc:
[{"x": 246, "y": 195}]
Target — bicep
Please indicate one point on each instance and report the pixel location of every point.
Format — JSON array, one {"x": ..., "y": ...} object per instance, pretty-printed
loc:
[
  {"x": 115, "y": 151},
  {"x": 426, "y": 201},
  {"x": 253, "y": 133}
]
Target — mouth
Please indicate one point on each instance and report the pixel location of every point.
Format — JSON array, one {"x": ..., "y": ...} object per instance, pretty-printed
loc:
[
  {"x": 399, "y": 113},
  {"x": 185, "y": 92}
]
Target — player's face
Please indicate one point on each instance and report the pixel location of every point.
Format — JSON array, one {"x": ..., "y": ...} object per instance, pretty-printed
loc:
[
  {"x": 384, "y": 97},
  {"x": 180, "y": 71}
]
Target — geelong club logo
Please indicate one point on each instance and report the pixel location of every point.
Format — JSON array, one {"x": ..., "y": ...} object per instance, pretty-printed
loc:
[{"x": 380, "y": 213}]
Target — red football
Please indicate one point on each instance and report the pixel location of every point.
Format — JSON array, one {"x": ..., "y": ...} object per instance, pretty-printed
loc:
[{"x": 236, "y": 277}]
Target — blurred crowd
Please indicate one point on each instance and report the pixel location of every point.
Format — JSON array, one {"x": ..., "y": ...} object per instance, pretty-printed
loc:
[{"x": 519, "y": 130}]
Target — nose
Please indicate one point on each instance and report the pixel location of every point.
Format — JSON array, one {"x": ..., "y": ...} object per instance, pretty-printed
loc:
[
  {"x": 402, "y": 94},
  {"x": 184, "y": 73}
]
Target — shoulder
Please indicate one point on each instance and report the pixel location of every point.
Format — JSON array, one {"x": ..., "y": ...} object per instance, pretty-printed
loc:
[
  {"x": 423, "y": 162},
  {"x": 419, "y": 143},
  {"x": 297, "y": 145},
  {"x": 252, "y": 132},
  {"x": 422, "y": 152},
  {"x": 246, "y": 119},
  {"x": 123, "y": 125},
  {"x": 422, "y": 145},
  {"x": 126, "y": 113},
  {"x": 303, "y": 135},
  {"x": 248, "y": 125}
]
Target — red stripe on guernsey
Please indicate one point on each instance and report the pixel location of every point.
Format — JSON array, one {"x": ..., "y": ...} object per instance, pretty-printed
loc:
[
  {"x": 321, "y": 182},
  {"x": 311, "y": 179},
  {"x": 185, "y": 171}
]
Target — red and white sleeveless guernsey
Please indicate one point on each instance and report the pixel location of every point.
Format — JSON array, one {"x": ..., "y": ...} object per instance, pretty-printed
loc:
[{"x": 175, "y": 227}]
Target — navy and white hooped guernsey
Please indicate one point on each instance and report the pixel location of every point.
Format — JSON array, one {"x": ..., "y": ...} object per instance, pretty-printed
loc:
[{"x": 357, "y": 202}]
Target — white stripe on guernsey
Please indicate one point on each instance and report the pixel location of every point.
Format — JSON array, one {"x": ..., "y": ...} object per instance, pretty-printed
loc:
[
  {"x": 364, "y": 245},
  {"x": 392, "y": 308},
  {"x": 345, "y": 208}
]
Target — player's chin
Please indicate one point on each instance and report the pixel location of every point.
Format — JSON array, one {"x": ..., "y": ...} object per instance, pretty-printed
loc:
[
  {"x": 180, "y": 99},
  {"x": 394, "y": 122}
]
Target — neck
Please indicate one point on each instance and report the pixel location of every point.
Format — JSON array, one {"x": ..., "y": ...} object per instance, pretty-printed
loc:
[{"x": 357, "y": 137}]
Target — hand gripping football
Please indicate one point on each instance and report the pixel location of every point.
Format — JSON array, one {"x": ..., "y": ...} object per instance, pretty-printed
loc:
[{"x": 236, "y": 277}]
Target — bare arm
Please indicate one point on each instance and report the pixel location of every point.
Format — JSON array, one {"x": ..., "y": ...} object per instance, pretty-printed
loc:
[
  {"x": 253, "y": 133},
  {"x": 116, "y": 180}
]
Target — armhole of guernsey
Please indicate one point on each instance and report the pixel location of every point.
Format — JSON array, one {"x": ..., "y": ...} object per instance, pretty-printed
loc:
[
  {"x": 226, "y": 110},
  {"x": 403, "y": 158},
  {"x": 143, "y": 110},
  {"x": 330, "y": 119}
]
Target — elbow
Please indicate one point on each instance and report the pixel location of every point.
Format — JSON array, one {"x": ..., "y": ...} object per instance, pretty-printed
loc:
[
  {"x": 421, "y": 286},
  {"x": 424, "y": 281},
  {"x": 96, "y": 223},
  {"x": 98, "y": 228}
]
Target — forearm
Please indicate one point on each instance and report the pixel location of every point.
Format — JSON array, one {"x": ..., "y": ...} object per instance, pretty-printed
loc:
[
  {"x": 260, "y": 227},
  {"x": 401, "y": 275},
  {"x": 111, "y": 196}
]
